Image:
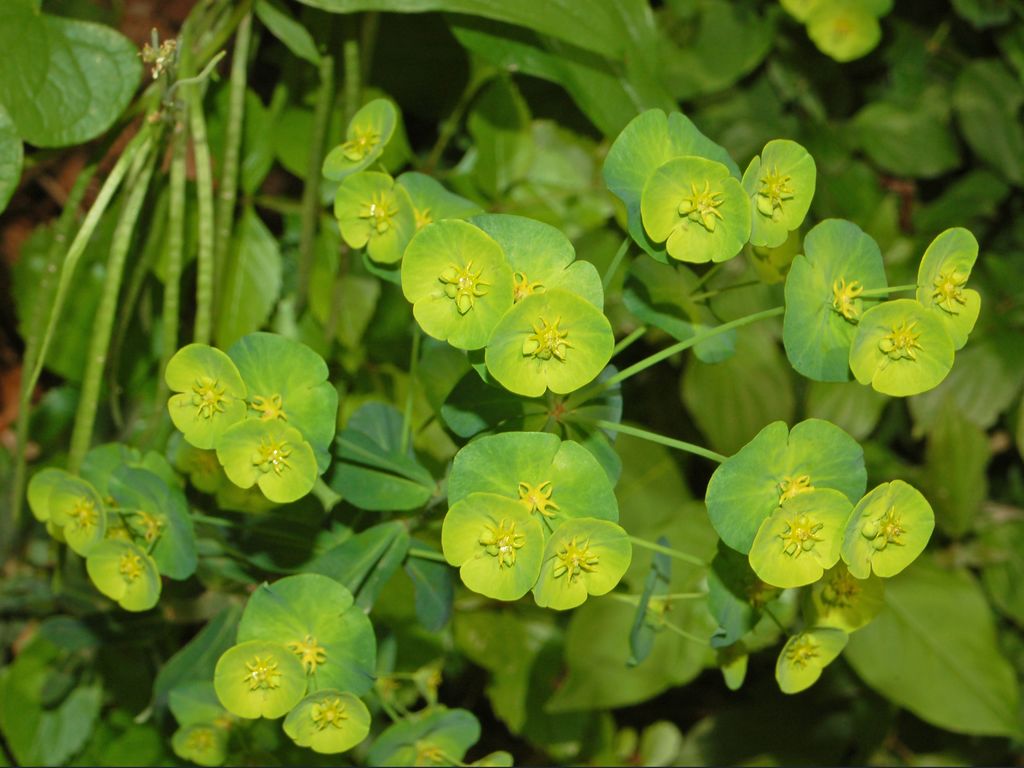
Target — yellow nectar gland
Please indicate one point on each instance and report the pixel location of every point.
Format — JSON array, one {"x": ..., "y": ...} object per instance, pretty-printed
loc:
[
  {"x": 901, "y": 343},
  {"x": 422, "y": 218},
  {"x": 538, "y": 498},
  {"x": 363, "y": 141},
  {"x": 793, "y": 486},
  {"x": 463, "y": 286},
  {"x": 428, "y": 753},
  {"x": 151, "y": 525},
  {"x": 262, "y": 673},
  {"x": 547, "y": 341},
  {"x": 523, "y": 287},
  {"x": 201, "y": 740},
  {"x": 380, "y": 210},
  {"x": 84, "y": 513},
  {"x": 702, "y": 206},
  {"x": 800, "y": 535},
  {"x": 130, "y": 567},
  {"x": 840, "y": 590},
  {"x": 329, "y": 712},
  {"x": 574, "y": 559},
  {"x": 948, "y": 290},
  {"x": 269, "y": 408},
  {"x": 272, "y": 455},
  {"x": 310, "y": 653},
  {"x": 800, "y": 652},
  {"x": 775, "y": 190},
  {"x": 502, "y": 541},
  {"x": 843, "y": 296},
  {"x": 884, "y": 530},
  {"x": 208, "y": 397}
]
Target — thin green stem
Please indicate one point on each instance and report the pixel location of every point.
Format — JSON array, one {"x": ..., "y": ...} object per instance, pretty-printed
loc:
[
  {"x": 428, "y": 554},
  {"x": 703, "y": 279},
  {"x": 725, "y": 289},
  {"x": 232, "y": 147},
  {"x": 672, "y": 597},
  {"x": 682, "y": 632},
  {"x": 220, "y": 522},
  {"x": 311, "y": 190},
  {"x": 775, "y": 618},
  {"x": 628, "y": 340},
  {"x": 450, "y": 126},
  {"x": 414, "y": 358},
  {"x": 674, "y": 553},
  {"x": 205, "y": 268},
  {"x": 886, "y": 291},
  {"x": 651, "y": 437},
  {"x": 353, "y": 72},
  {"x": 613, "y": 267},
  {"x": 175, "y": 257},
  {"x": 99, "y": 346}
]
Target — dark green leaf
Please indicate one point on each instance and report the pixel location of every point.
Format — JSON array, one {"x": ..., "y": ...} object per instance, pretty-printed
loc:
[
  {"x": 197, "y": 658},
  {"x": 10, "y": 158},
  {"x": 279, "y": 21},
  {"x": 657, "y": 583},
  {"x": 365, "y": 562},
  {"x": 252, "y": 281},
  {"x": 434, "y": 588}
]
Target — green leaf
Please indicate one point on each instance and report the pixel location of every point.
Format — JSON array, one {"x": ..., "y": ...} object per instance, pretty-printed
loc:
[
  {"x": 499, "y": 123},
  {"x": 278, "y": 20},
  {"x": 887, "y": 530},
  {"x": 63, "y": 81},
  {"x": 405, "y": 743},
  {"x": 987, "y": 99},
  {"x": 434, "y": 589},
  {"x": 196, "y": 659},
  {"x": 1004, "y": 573},
  {"x": 252, "y": 280},
  {"x": 366, "y": 561},
  {"x": 846, "y": 404},
  {"x": 933, "y": 650},
  {"x": 956, "y": 459},
  {"x": 907, "y": 142},
  {"x": 195, "y": 702},
  {"x": 10, "y": 158},
  {"x": 984, "y": 13},
  {"x": 657, "y": 584},
  {"x": 474, "y": 406}
]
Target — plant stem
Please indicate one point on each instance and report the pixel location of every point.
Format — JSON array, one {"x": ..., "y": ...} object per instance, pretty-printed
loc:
[
  {"x": 205, "y": 268},
  {"x": 175, "y": 254},
  {"x": 717, "y": 291},
  {"x": 311, "y": 189},
  {"x": 624, "y": 597},
  {"x": 613, "y": 268},
  {"x": 692, "y": 559},
  {"x": 703, "y": 279},
  {"x": 353, "y": 73},
  {"x": 628, "y": 340},
  {"x": 682, "y": 632},
  {"x": 414, "y": 359},
  {"x": 99, "y": 347},
  {"x": 451, "y": 124},
  {"x": 643, "y": 434},
  {"x": 887, "y": 290},
  {"x": 775, "y": 618},
  {"x": 428, "y": 554}
]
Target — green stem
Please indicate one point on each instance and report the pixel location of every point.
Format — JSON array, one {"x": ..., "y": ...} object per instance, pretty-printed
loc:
[
  {"x": 428, "y": 554},
  {"x": 450, "y": 126},
  {"x": 717, "y": 291},
  {"x": 353, "y": 73},
  {"x": 311, "y": 190},
  {"x": 703, "y": 279},
  {"x": 675, "y": 553},
  {"x": 205, "y": 268},
  {"x": 199, "y": 517},
  {"x": 887, "y": 290},
  {"x": 232, "y": 147},
  {"x": 628, "y": 341},
  {"x": 682, "y": 632},
  {"x": 643, "y": 434},
  {"x": 623, "y": 597},
  {"x": 99, "y": 347},
  {"x": 613, "y": 268},
  {"x": 175, "y": 255},
  {"x": 775, "y": 618},
  {"x": 411, "y": 390}
]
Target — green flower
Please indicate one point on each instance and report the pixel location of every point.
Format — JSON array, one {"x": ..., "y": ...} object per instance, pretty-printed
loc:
[
  {"x": 437, "y": 736},
  {"x": 552, "y": 340},
  {"x": 431, "y": 201},
  {"x": 823, "y": 304},
  {"x": 316, "y": 619},
  {"x": 40, "y": 486},
  {"x": 73, "y": 505},
  {"x": 211, "y": 393},
  {"x": 375, "y": 213},
  {"x": 582, "y": 557},
  {"x": 554, "y": 480},
  {"x": 697, "y": 208},
  {"x": 368, "y": 132},
  {"x": 844, "y": 29},
  {"x": 201, "y": 743},
  {"x": 259, "y": 679},
  {"x": 778, "y": 465},
  {"x": 201, "y": 466},
  {"x": 124, "y": 572},
  {"x": 901, "y": 349},
  {"x": 541, "y": 258},
  {"x": 887, "y": 530},
  {"x": 780, "y": 185},
  {"x": 458, "y": 281},
  {"x": 805, "y": 656},
  {"x": 843, "y": 601},
  {"x": 941, "y": 280},
  {"x": 496, "y": 543},
  {"x": 269, "y": 454},
  {"x": 328, "y": 722}
]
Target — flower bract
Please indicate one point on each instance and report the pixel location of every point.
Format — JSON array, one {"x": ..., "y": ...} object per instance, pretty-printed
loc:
[
  {"x": 124, "y": 572},
  {"x": 845, "y": 602},
  {"x": 370, "y": 129},
  {"x": 431, "y": 201},
  {"x": 584, "y": 556},
  {"x": 259, "y": 679},
  {"x": 887, "y": 530},
  {"x": 804, "y": 657},
  {"x": 438, "y": 736},
  {"x": 375, "y": 213},
  {"x": 780, "y": 184},
  {"x": 328, "y": 721},
  {"x": 942, "y": 280},
  {"x": 210, "y": 393},
  {"x": 269, "y": 454}
]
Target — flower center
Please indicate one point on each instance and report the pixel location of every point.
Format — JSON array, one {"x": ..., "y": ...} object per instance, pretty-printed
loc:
[
  {"x": 901, "y": 343},
  {"x": 151, "y": 525},
  {"x": 502, "y": 541},
  {"x": 801, "y": 651},
  {"x": 262, "y": 673},
  {"x": 702, "y": 206},
  {"x": 422, "y": 218},
  {"x": 380, "y": 210},
  {"x": 523, "y": 287},
  {"x": 948, "y": 292},
  {"x": 840, "y": 590},
  {"x": 800, "y": 535},
  {"x": 547, "y": 341},
  {"x": 884, "y": 530},
  {"x": 574, "y": 559},
  {"x": 270, "y": 407},
  {"x": 208, "y": 397},
  {"x": 272, "y": 455},
  {"x": 843, "y": 296},
  {"x": 363, "y": 141},
  {"x": 329, "y": 712},
  {"x": 775, "y": 189},
  {"x": 793, "y": 486},
  {"x": 538, "y": 498},
  {"x": 84, "y": 513},
  {"x": 200, "y": 740},
  {"x": 310, "y": 653},
  {"x": 130, "y": 567},
  {"x": 463, "y": 286},
  {"x": 429, "y": 754}
]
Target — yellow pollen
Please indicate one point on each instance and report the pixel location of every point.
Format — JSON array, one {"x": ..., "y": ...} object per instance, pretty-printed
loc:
[
  {"x": 272, "y": 455},
  {"x": 547, "y": 341},
  {"x": 363, "y": 141},
  {"x": 429, "y": 754},
  {"x": 151, "y": 524},
  {"x": 380, "y": 210},
  {"x": 208, "y": 397},
  {"x": 201, "y": 740},
  {"x": 538, "y": 498},
  {"x": 262, "y": 673},
  {"x": 329, "y": 712},
  {"x": 801, "y": 651},
  {"x": 901, "y": 343},
  {"x": 502, "y": 541},
  {"x": 843, "y": 296},
  {"x": 574, "y": 559},
  {"x": 310, "y": 653},
  {"x": 800, "y": 535},
  {"x": 463, "y": 286},
  {"x": 84, "y": 513},
  {"x": 702, "y": 206}
]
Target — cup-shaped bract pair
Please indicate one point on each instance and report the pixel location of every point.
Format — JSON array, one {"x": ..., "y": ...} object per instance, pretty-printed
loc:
[
  {"x": 697, "y": 208},
  {"x": 70, "y": 504},
  {"x": 842, "y": 601},
  {"x": 431, "y": 201},
  {"x": 942, "y": 279},
  {"x": 125, "y": 573},
  {"x": 369, "y": 131},
  {"x": 780, "y": 184},
  {"x": 209, "y": 396},
  {"x": 435, "y": 736},
  {"x": 584, "y": 556},
  {"x": 823, "y": 298},
  {"x": 804, "y": 657},
  {"x": 887, "y": 530},
  {"x": 778, "y": 465},
  {"x": 204, "y": 744},
  {"x": 202, "y": 737},
  {"x": 328, "y": 721},
  {"x": 375, "y": 213}
]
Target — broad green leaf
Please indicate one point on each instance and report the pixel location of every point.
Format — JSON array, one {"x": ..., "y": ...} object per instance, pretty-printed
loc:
[
  {"x": 10, "y": 158},
  {"x": 987, "y": 99},
  {"x": 196, "y": 660},
  {"x": 956, "y": 458},
  {"x": 371, "y": 476},
  {"x": 279, "y": 22},
  {"x": 252, "y": 280},
  {"x": 259, "y": 679},
  {"x": 499, "y": 123},
  {"x": 328, "y": 722},
  {"x": 1004, "y": 573},
  {"x": 409, "y": 742},
  {"x": 846, "y": 404},
  {"x": 435, "y": 591},
  {"x": 736, "y": 597},
  {"x": 933, "y": 650},
  {"x": 366, "y": 561},
  {"x": 907, "y": 142}
]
